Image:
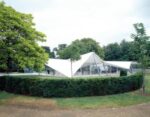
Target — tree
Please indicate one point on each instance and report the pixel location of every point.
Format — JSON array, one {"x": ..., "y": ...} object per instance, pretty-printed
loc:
[
  {"x": 58, "y": 50},
  {"x": 148, "y": 48},
  {"x": 112, "y": 52},
  {"x": 18, "y": 41},
  {"x": 127, "y": 51},
  {"x": 84, "y": 45},
  {"x": 62, "y": 46},
  {"x": 73, "y": 54},
  {"x": 124, "y": 51},
  {"x": 141, "y": 42},
  {"x": 47, "y": 50}
]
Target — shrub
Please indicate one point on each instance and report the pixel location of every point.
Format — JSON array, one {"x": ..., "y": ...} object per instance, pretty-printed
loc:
[
  {"x": 123, "y": 73},
  {"x": 64, "y": 87}
]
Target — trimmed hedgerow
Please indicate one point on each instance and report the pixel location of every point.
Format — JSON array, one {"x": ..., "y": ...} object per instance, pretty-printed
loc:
[{"x": 66, "y": 87}]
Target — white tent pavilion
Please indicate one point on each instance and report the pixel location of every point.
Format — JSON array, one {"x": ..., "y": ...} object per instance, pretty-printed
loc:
[
  {"x": 63, "y": 67},
  {"x": 88, "y": 64}
]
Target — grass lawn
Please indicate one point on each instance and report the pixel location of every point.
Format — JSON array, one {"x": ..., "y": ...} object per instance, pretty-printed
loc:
[
  {"x": 147, "y": 83},
  {"x": 117, "y": 100}
]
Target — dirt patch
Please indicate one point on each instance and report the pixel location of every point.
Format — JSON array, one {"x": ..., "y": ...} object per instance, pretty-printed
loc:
[
  {"x": 142, "y": 110},
  {"x": 31, "y": 103}
]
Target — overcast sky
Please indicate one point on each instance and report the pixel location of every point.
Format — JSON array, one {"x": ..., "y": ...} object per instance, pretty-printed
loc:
[{"x": 106, "y": 21}]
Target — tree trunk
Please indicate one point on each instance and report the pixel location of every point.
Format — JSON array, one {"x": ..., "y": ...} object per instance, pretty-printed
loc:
[
  {"x": 143, "y": 85},
  {"x": 71, "y": 68},
  {"x": 8, "y": 65}
]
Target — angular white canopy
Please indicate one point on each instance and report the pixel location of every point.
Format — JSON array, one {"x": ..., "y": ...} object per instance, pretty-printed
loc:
[
  {"x": 64, "y": 66},
  {"x": 121, "y": 64}
]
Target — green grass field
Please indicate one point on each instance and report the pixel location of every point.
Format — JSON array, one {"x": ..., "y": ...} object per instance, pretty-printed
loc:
[
  {"x": 147, "y": 83},
  {"x": 116, "y": 100}
]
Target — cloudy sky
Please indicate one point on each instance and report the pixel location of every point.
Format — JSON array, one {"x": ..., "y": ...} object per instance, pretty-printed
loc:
[{"x": 106, "y": 21}]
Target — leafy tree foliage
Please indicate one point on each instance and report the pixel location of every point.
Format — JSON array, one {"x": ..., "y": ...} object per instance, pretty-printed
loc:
[
  {"x": 141, "y": 44},
  {"x": 148, "y": 50},
  {"x": 57, "y": 50},
  {"x": 73, "y": 52},
  {"x": 18, "y": 41},
  {"x": 127, "y": 51},
  {"x": 48, "y": 51},
  {"x": 84, "y": 45},
  {"x": 124, "y": 51},
  {"x": 112, "y": 52},
  {"x": 62, "y": 46}
]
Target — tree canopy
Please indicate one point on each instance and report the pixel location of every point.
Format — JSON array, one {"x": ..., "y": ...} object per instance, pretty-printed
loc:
[
  {"x": 47, "y": 50},
  {"x": 83, "y": 46},
  {"x": 141, "y": 44},
  {"x": 18, "y": 41},
  {"x": 71, "y": 52},
  {"x": 123, "y": 51},
  {"x": 112, "y": 51}
]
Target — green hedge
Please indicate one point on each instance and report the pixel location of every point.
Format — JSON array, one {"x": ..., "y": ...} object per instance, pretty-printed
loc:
[{"x": 66, "y": 87}]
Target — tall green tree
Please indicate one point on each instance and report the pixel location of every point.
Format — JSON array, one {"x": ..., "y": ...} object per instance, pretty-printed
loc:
[
  {"x": 73, "y": 54},
  {"x": 140, "y": 43},
  {"x": 84, "y": 45},
  {"x": 18, "y": 41}
]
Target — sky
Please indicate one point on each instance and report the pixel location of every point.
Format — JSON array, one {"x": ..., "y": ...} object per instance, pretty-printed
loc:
[{"x": 106, "y": 21}]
